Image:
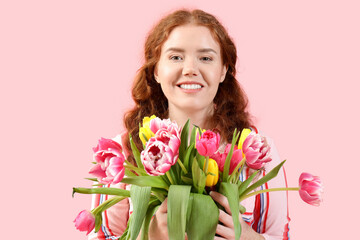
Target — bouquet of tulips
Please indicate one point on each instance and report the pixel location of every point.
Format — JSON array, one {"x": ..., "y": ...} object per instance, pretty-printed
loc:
[{"x": 183, "y": 166}]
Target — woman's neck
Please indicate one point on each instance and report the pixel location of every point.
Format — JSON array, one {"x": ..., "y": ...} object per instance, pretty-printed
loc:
[{"x": 197, "y": 117}]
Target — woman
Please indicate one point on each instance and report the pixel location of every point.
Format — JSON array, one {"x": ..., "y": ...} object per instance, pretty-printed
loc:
[{"x": 189, "y": 73}]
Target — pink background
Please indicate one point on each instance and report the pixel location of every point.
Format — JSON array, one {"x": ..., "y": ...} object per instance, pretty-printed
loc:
[{"x": 66, "y": 69}]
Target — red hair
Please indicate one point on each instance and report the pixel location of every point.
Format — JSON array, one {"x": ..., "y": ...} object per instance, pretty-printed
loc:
[{"x": 230, "y": 101}]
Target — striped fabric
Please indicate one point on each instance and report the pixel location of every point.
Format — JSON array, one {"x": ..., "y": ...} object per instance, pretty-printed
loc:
[{"x": 266, "y": 213}]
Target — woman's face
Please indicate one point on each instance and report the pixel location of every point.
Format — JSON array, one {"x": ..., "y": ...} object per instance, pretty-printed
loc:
[{"x": 190, "y": 68}]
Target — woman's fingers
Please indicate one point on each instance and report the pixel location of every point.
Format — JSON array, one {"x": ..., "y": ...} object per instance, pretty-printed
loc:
[
  {"x": 222, "y": 200},
  {"x": 163, "y": 207},
  {"x": 226, "y": 219},
  {"x": 219, "y": 238},
  {"x": 224, "y": 231}
]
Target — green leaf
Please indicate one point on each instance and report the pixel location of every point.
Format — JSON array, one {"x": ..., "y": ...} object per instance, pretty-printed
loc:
[
  {"x": 187, "y": 180},
  {"x": 104, "y": 190},
  {"x": 184, "y": 139},
  {"x": 199, "y": 177},
  {"x": 107, "y": 204},
  {"x": 140, "y": 197},
  {"x": 243, "y": 185},
  {"x": 228, "y": 157},
  {"x": 203, "y": 217},
  {"x": 98, "y": 222},
  {"x": 193, "y": 135},
  {"x": 273, "y": 173},
  {"x": 136, "y": 169},
  {"x": 188, "y": 155},
  {"x": 126, "y": 233},
  {"x": 144, "y": 181},
  {"x": 92, "y": 179},
  {"x": 176, "y": 213},
  {"x": 159, "y": 193},
  {"x": 136, "y": 153},
  {"x": 230, "y": 191},
  {"x": 242, "y": 209},
  {"x": 153, "y": 206},
  {"x": 234, "y": 175},
  {"x": 129, "y": 173}
]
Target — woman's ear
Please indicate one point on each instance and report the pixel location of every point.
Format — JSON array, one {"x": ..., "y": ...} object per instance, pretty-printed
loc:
[
  {"x": 223, "y": 73},
  {"x": 156, "y": 75}
]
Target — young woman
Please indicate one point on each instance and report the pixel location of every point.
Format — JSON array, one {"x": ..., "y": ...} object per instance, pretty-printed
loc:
[{"x": 189, "y": 73}]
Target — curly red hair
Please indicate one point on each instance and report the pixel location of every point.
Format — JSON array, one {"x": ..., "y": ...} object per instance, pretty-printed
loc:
[{"x": 230, "y": 101}]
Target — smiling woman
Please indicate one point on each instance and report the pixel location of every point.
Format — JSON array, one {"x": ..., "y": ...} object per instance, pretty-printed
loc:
[
  {"x": 190, "y": 70},
  {"x": 189, "y": 73}
]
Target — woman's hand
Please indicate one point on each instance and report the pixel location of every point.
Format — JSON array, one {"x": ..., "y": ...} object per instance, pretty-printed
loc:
[
  {"x": 158, "y": 225},
  {"x": 226, "y": 231}
]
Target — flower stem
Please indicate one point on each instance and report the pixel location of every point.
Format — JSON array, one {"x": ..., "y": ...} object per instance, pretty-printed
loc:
[
  {"x": 169, "y": 177},
  {"x": 269, "y": 190},
  {"x": 182, "y": 166},
  {"x": 234, "y": 177},
  {"x": 136, "y": 169},
  {"x": 206, "y": 165}
]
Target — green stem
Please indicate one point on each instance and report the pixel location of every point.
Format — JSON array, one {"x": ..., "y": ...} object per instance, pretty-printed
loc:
[
  {"x": 107, "y": 204},
  {"x": 136, "y": 169},
  {"x": 159, "y": 196},
  {"x": 234, "y": 176},
  {"x": 206, "y": 165},
  {"x": 268, "y": 190},
  {"x": 182, "y": 166},
  {"x": 169, "y": 177},
  {"x": 242, "y": 166}
]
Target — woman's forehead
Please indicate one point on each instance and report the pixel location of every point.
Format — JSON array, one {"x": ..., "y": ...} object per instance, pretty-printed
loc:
[{"x": 191, "y": 37}]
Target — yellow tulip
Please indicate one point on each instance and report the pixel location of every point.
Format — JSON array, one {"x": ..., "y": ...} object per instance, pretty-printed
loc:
[
  {"x": 146, "y": 120},
  {"x": 212, "y": 179},
  {"x": 245, "y": 132},
  {"x": 145, "y": 132}
]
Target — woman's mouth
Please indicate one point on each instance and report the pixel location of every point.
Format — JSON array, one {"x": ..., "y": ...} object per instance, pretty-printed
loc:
[{"x": 190, "y": 86}]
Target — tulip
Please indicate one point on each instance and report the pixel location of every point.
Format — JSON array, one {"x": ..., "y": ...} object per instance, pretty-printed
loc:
[
  {"x": 211, "y": 179},
  {"x": 244, "y": 133},
  {"x": 156, "y": 124},
  {"x": 208, "y": 143},
  {"x": 158, "y": 157},
  {"x": 220, "y": 158},
  {"x": 310, "y": 189},
  {"x": 145, "y": 132},
  {"x": 85, "y": 221},
  {"x": 110, "y": 160},
  {"x": 256, "y": 150}
]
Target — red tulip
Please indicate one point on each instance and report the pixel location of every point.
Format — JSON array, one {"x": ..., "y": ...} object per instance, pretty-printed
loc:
[{"x": 221, "y": 157}]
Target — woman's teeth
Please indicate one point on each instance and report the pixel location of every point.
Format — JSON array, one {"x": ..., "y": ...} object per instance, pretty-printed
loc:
[{"x": 190, "y": 86}]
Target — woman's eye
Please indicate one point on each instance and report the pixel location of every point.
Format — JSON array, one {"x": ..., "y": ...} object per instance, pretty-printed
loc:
[
  {"x": 176, "y": 58},
  {"x": 206, "y": 59}
]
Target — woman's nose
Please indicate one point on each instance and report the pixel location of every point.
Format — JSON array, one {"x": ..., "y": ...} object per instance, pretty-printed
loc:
[{"x": 190, "y": 68}]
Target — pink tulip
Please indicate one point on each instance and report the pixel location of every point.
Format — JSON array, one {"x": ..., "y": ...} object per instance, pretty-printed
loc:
[
  {"x": 165, "y": 124},
  {"x": 310, "y": 189},
  {"x": 171, "y": 140},
  {"x": 256, "y": 150},
  {"x": 85, "y": 221},
  {"x": 208, "y": 144},
  {"x": 159, "y": 156},
  {"x": 221, "y": 157},
  {"x": 110, "y": 162}
]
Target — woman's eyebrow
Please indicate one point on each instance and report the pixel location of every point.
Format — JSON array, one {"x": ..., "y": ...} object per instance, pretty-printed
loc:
[
  {"x": 207, "y": 50},
  {"x": 202, "y": 50}
]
